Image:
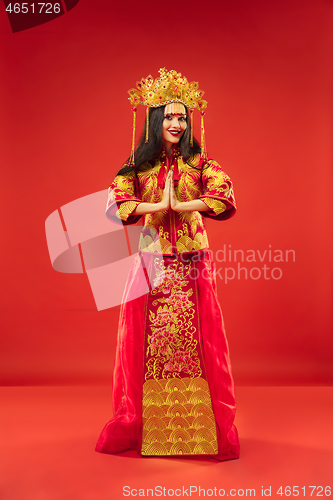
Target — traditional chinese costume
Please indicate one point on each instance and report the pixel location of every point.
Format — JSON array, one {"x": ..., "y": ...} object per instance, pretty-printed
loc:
[{"x": 173, "y": 392}]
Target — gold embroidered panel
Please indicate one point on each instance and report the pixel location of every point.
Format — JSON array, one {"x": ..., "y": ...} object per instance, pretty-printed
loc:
[{"x": 177, "y": 412}]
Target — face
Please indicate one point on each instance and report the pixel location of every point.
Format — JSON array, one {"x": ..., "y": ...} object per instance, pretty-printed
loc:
[{"x": 174, "y": 123}]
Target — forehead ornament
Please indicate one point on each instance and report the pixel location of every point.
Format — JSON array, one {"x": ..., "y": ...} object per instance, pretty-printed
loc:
[{"x": 175, "y": 108}]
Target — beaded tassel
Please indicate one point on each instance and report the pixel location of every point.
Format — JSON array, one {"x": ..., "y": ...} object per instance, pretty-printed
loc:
[
  {"x": 147, "y": 125},
  {"x": 191, "y": 139},
  {"x": 203, "y": 141},
  {"x": 131, "y": 160}
]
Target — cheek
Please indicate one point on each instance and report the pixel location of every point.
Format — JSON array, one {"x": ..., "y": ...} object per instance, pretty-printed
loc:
[
  {"x": 165, "y": 126},
  {"x": 164, "y": 132}
]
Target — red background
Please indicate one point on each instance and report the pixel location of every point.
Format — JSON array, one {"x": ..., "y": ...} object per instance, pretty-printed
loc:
[{"x": 266, "y": 68}]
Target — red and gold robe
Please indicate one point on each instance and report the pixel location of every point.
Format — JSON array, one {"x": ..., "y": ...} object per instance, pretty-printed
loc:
[{"x": 173, "y": 392}]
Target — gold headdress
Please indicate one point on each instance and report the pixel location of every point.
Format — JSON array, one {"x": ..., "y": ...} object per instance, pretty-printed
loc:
[{"x": 169, "y": 87}]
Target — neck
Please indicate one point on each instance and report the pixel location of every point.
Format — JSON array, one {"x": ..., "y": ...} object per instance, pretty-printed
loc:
[{"x": 168, "y": 148}]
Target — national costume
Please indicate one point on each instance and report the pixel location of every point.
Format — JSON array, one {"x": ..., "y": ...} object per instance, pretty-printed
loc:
[{"x": 173, "y": 392}]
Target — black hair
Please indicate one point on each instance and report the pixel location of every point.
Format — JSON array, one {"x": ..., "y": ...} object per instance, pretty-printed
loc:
[{"x": 146, "y": 152}]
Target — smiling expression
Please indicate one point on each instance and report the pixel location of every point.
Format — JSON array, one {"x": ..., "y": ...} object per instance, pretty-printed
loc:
[{"x": 174, "y": 123}]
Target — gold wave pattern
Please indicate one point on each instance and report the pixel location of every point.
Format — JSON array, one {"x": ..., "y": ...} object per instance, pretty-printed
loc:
[
  {"x": 147, "y": 244},
  {"x": 178, "y": 418},
  {"x": 216, "y": 205},
  {"x": 187, "y": 244},
  {"x": 126, "y": 208}
]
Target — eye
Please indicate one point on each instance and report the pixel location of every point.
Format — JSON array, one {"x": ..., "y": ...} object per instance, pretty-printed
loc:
[
  {"x": 168, "y": 117},
  {"x": 182, "y": 119}
]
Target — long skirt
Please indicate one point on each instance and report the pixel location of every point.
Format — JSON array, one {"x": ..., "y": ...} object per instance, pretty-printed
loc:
[{"x": 173, "y": 392}]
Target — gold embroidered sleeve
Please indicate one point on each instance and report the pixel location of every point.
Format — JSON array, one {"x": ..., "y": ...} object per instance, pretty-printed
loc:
[
  {"x": 216, "y": 205},
  {"x": 123, "y": 198},
  {"x": 125, "y": 209},
  {"x": 218, "y": 192}
]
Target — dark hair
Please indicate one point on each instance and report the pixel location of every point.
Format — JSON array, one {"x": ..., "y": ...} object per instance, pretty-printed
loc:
[{"x": 146, "y": 152}]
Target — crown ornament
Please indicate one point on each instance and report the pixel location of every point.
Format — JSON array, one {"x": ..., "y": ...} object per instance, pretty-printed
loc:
[{"x": 169, "y": 87}]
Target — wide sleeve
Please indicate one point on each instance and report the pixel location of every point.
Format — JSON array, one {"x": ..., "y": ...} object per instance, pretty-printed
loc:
[
  {"x": 218, "y": 192},
  {"x": 123, "y": 198}
]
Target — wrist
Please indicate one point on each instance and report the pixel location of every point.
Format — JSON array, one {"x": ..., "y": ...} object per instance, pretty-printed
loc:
[
  {"x": 177, "y": 207},
  {"x": 160, "y": 206}
]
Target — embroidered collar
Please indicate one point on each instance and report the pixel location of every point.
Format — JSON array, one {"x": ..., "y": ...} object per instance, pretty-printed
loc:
[{"x": 175, "y": 152}]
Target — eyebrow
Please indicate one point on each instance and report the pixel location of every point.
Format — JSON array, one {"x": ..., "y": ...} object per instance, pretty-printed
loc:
[{"x": 175, "y": 114}]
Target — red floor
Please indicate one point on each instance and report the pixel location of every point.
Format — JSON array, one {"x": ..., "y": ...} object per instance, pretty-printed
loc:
[{"x": 49, "y": 434}]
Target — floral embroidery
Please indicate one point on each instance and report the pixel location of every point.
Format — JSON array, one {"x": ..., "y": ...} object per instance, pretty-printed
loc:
[
  {"x": 164, "y": 317},
  {"x": 168, "y": 279},
  {"x": 181, "y": 361},
  {"x": 162, "y": 338},
  {"x": 172, "y": 323},
  {"x": 179, "y": 300}
]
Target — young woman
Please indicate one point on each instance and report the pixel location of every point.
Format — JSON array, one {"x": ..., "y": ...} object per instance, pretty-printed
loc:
[{"x": 173, "y": 391}]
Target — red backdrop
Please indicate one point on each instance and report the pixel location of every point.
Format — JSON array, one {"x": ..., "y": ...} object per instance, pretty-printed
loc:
[{"x": 66, "y": 129}]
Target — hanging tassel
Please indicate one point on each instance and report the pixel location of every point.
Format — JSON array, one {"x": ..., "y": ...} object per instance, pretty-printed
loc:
[
  {"x": 131, "y": 160},
  {"x": 147, "y": 125},
  {"x": 203, "y": 141},
  {"x": 191, "y": 139}
]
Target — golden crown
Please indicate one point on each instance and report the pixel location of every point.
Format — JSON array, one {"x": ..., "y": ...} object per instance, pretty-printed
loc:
[{"x": 169, "y": 87}]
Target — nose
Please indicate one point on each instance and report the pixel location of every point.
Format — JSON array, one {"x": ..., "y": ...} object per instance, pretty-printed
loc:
[{"x": 175, "y": 123}]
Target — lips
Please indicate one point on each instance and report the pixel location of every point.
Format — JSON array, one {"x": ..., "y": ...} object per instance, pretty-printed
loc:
[{"x": 174, "y": 132}]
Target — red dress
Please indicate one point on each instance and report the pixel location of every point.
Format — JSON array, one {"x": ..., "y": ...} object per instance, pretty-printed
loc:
[{"x": 173, "y": 392}]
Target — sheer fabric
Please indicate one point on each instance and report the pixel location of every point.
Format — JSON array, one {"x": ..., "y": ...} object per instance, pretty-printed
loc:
[{"x": 173, "y": 392}]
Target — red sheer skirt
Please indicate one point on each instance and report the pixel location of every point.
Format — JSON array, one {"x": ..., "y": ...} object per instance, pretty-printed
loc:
[{"x": 173, "y": 392}]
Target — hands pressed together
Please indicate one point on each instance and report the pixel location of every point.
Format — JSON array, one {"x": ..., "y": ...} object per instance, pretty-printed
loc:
[{"x": 169, "y": 200}]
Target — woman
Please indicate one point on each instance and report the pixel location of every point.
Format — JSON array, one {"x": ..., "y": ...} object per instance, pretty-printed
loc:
[{"x": 173, "y": 391}]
